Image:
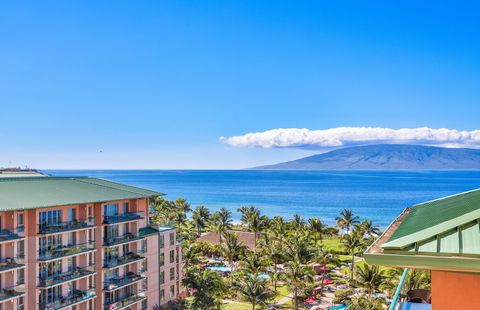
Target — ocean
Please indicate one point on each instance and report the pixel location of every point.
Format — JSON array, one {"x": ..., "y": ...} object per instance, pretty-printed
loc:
[{"x": 375, "y": 195}]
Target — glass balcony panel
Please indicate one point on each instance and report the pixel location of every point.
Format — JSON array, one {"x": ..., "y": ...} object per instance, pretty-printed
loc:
[
  {"x": 75, "y": 297},
  {"x": 125, "y": 301},
  {"x": 45, "y": 281},
  {"x": 128, "y": 237},
  {"x": 124, "y": 217},
  {"x": 122, "y": 260},
  {"x": 62, "y": 251},
  {"x": 117, "y": 282},
  {"x": 9, "y": 263},
  {"x": 11, "y": 292},
  {"x": 51, "y": 228},
  {"x": 11, "y": 234}
]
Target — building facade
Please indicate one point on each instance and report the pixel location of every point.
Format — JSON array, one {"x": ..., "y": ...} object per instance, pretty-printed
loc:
[{"x": 82, "y": 244}]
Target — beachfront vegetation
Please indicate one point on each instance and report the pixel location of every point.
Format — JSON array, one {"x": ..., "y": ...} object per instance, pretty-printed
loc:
[{"x": 287, "y": 262}]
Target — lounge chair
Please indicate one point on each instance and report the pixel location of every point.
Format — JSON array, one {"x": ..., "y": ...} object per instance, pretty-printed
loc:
[{"x": 419, "y": 296}]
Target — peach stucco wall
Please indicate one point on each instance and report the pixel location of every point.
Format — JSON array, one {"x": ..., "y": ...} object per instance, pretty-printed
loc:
[{"x": 455, "y": 290}]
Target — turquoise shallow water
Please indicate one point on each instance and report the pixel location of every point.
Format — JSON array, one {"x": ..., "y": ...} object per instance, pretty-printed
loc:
[{"x": 376, "y": 195}]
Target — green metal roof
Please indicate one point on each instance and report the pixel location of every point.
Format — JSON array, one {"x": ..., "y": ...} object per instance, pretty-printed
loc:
[
  {"x": 39, "y": 192},
  {"x": 147, "y": 231},
  {"x": 435, "y": 212},
  {"x": 439, "y": 234}
]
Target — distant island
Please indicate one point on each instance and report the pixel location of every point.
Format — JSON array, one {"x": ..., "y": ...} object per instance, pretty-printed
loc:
[{"x": 386, "y": 157}]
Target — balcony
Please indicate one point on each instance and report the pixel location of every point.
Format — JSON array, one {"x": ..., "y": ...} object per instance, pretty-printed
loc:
[
  {"x": 11, "y": 263},
  {"x": 123, "y": 302},
  {"x": 66, "y": 277},
  {"x": 124, "y": 217},
  {"x": 74, "y": 298},
  {"x": 123, "y": 260},
  {"x": 63, "y": 251},
  {"x": 52, "y": 228},
  {"x": 11, "y": 234},
  {"x": 128, "y": 237},
  {"x": 116, "y": 283},
  {"x": 12, "y": 292}
]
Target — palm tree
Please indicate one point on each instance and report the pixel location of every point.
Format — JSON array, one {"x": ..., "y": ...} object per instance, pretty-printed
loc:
[
  {"x": 163, "y": 210},
  {"x": 315, "y": 226},
  {"x": 200, "y": 217},
  {"x": 297, "y": 222},
  {"x": 361, "y": 302},
  {"x": 221, "y": 222},
  {"x": 253, "y": 263},
  {"x": 347, "y": 219},
  {"x": 182, "y": 206},
  {"x": 208, "y": 287},
  {"x": 370, "y": 277},
  {"x": 368, "y": 229},
  {"x": 231, "y": 249},
  {"x": 190, "y": 255},
  {"x": 253, "y": 289},
  {"x": 255, "y": 222},
  {"x": 416, "y": 278},
  {"x": 297, "y": 247},
  {"x": 275, "y": 253},
  {"x": 352, "y": 243},
  {"x": 297, "y": 275},
  {"x": 278, "y": 227}
]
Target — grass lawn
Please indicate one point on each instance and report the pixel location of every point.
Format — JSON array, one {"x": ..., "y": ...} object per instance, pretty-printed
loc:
[{"x": 333, "y": 244}]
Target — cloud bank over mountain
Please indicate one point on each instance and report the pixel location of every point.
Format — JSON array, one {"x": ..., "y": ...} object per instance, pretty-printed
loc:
[{"x": 304, "y": 138}]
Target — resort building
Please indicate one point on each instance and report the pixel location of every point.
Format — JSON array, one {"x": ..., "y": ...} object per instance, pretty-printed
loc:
[
  {"x": 83, "y": 243},
  {"x": 442, "y": 236}
]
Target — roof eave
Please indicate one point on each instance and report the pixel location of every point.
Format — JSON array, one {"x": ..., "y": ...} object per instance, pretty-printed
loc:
[{"x": 460, "y": 264}]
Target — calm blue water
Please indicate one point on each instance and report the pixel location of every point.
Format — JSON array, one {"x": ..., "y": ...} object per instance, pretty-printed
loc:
[{"x": 376, "y": 195}]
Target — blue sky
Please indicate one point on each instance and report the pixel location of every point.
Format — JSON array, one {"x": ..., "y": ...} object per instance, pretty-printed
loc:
[{"x": 155, "y": 84}]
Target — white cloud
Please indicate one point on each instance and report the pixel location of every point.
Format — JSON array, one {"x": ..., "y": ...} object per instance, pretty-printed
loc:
[{"x": 349, "y": 136}]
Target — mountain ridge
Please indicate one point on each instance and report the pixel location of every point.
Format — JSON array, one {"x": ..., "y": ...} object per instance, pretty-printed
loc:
[{"x": 386, "y": 157}]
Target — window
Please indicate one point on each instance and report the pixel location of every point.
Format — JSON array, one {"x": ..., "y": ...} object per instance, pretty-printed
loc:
[
  {"x": 51, "y": 218},
  {"x": 21, "y": 303},
  {"x": 111, "y": 231},
  {"x": 172, "y": 274},
  {"x": 162, "y": 259},
  {"x": 48, "y": 244},
  {"x": 72, "y": 215},
  {"x": 125, "y": 207},
  {"x": 162, "y": 295},
  {"x": 172, "y": 238},
  {"x": 21, "y": 276},
  {"x": 162, "y": 242},
  {"x": 172, "y": 291},
  {"x": 172, "y": 256},
  {"x": 21, "y": 248},
  {"x": 72, "y": 238},
  {"x": 110, "y": 209},
  {"x": 162, "y": 277},
  {"x": 20, "y": 220},
  {"x": 144, "y": 245}
]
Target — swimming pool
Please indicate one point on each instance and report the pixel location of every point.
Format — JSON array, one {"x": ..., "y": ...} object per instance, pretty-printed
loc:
[{"x": 219, "y": 268}]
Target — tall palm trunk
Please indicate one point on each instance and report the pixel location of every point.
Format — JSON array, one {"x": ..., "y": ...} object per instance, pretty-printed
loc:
[
  {"x": 295, "y": 300},
  {"x": 275, "y": 277},
  {"x": 353, "y": 263}
]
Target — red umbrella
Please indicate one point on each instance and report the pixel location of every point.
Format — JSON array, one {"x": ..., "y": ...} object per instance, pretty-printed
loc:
[{"x": 327, "y": 281}]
